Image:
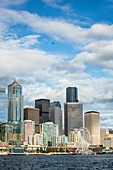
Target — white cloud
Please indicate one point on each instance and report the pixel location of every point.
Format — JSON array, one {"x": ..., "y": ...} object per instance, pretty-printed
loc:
[
  {"x": 7, "y": 3},
  {"x": 57, "y": 4},
  {"x": 45, "y": 75}
]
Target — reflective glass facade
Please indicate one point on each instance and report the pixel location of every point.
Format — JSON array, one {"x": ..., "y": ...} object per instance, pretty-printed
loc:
[
  {"x": 49, "y": 130},
  {"x": 11, "y": 132},
  {"x": 15, "y": 102},
  {"x": 3, "y": 105},
  {"x": 73, "y": 116},
  {"x": 71, "y": 94}
]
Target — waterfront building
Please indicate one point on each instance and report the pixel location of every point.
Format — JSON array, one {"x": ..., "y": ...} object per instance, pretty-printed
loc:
[
  {"x": 38, "y": 139},
  {"x": 71, "y": 94},
  {"x": 108, "y": 142},
  {"x": 55, "y": 115},
  {"x": 73, "y": 116},
  {"x": 29, "y": 130},
  {"x": 62, "y": 139},
  {"x": 15, "y": 102},
  {"x": 3, "y": 105},
  {"x": 17, "y": 149},
  {"x": 12, "y": 132},
  {"x": 43, "y": 105},
  {"x": 49, "y": 130},
  {"x": 32, "y": 114},
  {"x": 104, "y": 134},
  {"x": 73, "y": 135},
  {"x": 92, "y": 123}
]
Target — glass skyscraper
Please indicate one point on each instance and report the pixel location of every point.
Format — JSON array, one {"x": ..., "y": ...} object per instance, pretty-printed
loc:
[
  {"x": 71, "y": 94},
  {"x": 3, "y": 105},
  {"x": 15, "y": 102}
]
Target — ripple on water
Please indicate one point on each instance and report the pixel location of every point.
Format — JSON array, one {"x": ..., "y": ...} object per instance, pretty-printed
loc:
[{"x": 57, "y": 162}]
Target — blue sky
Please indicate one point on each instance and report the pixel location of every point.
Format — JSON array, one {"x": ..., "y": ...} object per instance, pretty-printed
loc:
[{"x": 82, "y": 55}]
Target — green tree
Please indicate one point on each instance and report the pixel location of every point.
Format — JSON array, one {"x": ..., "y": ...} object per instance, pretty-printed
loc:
[
  {"x": 41, "y": 150},
  {"x": 37, "y": 150},
  {"x": 61, "y": 150},
  {"x": 49, "y": 149}
]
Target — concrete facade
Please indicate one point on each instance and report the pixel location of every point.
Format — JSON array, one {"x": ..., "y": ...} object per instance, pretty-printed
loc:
[
  {"x": 29, "y": 130},
  {"x": 92, "y": 123}
]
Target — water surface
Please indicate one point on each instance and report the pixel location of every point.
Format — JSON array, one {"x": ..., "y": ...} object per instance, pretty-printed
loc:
[{"x": 57, "y": 162}]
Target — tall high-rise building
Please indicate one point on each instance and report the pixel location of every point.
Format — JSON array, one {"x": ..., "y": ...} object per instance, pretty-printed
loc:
[
  {"x": 73, "y": 116},
  {"x": 92, "y": 123},
  {"x": 55, "y": 115},
  {"x": 43, "y": 105},
  {"x": 32, "y": 114},
  {"x": 71, "y": 94},
  {"x": 15, "y": 102},
  {"x": 3, "y": 105}
]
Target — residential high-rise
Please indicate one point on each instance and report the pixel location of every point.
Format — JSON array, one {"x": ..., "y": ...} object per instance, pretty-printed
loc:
[
  {"x": 29, "y": 130},
  {"x": 73, "y": 116},
  {"x": 15, "y": 102},
  {"x": 92, "y": 123},
  {"x": 71, "y": 94},
  {"x": 43, "y": 105},
  {"x": 3, "y": 105},
  {"x": 49, "y": 130},
  {"x": 32, "y": 114},
  {"x": 55, "y": 115}
]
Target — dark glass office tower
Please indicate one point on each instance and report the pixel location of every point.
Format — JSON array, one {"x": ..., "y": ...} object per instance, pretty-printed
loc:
[
  {"x": 71, "y": 94},
  {"x": 43, "y": 105}
]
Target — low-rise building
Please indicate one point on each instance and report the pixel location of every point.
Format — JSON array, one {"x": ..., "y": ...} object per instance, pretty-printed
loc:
[
  {"x": 62, "y": 139},
  {"x": 104, "y": 134},
  {"x": 108, "y": 142},
  {"x": 37, "y": 139}
]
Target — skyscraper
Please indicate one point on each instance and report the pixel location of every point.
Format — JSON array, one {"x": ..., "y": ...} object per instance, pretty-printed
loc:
[
  {"x": 92, "y": 123},
  {"x": 3, "y": 105},
  {"x": 15, "y": 102},
  {"x": 43, "y": 105},
  {"x": 73, "y": 116},
  {"x": 71, "y": 94},
  {"x": 55, "y": 115},
  {"x": 32, "y": 114}
]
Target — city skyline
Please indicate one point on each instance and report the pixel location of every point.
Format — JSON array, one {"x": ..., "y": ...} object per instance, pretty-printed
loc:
[{"x": 49, "y": 45}]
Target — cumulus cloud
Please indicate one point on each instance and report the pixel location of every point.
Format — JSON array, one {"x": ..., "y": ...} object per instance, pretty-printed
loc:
[{"x": 47, "y": 75}]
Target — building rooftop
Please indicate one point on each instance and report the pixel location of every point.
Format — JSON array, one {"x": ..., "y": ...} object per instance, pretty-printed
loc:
[
  {"x": 14, "y": 84},
  {"x": 91, "y": 112}
]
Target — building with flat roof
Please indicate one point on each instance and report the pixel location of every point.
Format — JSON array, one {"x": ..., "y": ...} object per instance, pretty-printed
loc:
[
  {"x": 73, "y": 116},
  {"x": 55, "y": 115},
  {"x": 32, "y": 114},
  {"x": 71, "y": 94},
  {"x": 43, "y": 105},
  {"x": 49, "y": 130},
  {"x": 92, "y": 123}
]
